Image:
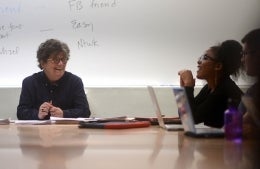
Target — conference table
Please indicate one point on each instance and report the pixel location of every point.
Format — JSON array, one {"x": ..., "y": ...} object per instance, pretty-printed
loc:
[{"x": 59, "y": 146}]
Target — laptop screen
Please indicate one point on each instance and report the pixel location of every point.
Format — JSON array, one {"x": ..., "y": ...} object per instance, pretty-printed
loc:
[
  {"x": 184, "y": 109},
  {"x": 156, "y": 106}
]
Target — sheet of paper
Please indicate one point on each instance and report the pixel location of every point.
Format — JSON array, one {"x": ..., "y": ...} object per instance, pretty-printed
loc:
[
  {"x": 71, "y": 119},
  {"x": 59, "y": 120},
  {"x": 87, "y": 119},
  {"x": 4, "y": 121},
  {"x": 34, "y": 122}
]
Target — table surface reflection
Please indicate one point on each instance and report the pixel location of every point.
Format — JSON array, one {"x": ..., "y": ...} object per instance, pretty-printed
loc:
[{"x": 67, "y": 146}]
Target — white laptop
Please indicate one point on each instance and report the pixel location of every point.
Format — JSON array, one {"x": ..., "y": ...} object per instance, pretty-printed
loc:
[
  {"x": 185, "y": 114},
  {"x": 170, "y": 127}
]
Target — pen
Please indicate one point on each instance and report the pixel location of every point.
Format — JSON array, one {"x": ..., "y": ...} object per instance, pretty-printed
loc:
[{"x": 49, "y": 113}]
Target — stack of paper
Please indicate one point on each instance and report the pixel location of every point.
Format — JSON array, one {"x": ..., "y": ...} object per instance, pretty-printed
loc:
[
  {"x": 34, "y": 122},
  {"x": 4, "y": 121}
]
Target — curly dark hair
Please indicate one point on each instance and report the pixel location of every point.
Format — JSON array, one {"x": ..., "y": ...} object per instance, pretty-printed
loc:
[
  {"x": 229, "y": 53},
  {"x": 51, "y": 46}
]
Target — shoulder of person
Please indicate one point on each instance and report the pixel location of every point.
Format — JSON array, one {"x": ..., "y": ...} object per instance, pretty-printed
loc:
[
  {"x": 72, "y": 77},
  {"x": 229, "y": 84},
  {"x": 228, "y": 81},
  {"x": 33, "y": 76}
]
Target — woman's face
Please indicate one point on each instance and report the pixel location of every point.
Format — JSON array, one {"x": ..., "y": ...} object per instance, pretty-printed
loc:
[
  {"x": 206, "y": 66},
  {"x": 251, "y": 60},
  {"x": 55, "y": 66}
]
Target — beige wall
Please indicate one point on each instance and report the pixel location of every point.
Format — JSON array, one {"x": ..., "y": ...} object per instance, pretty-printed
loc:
[{"x": 106, "y": 101}]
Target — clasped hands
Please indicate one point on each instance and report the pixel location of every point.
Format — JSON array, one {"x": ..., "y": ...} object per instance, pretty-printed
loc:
[
  {"x": 186, "y": 78},
  {"x": 47, "y": 108}
]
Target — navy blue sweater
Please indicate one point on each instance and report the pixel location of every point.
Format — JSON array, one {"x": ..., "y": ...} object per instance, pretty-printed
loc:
[{"x": 68, "y": 94}]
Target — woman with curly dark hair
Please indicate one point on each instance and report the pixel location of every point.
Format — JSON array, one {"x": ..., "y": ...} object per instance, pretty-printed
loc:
[{"x": 215, "y": 66}]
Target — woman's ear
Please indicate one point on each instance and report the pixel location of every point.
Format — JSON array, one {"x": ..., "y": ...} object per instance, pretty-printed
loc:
[{"x": 218, "y": 66}]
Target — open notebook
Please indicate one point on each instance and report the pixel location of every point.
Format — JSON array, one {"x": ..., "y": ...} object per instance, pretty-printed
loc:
[{"x": 185, "y": 114}]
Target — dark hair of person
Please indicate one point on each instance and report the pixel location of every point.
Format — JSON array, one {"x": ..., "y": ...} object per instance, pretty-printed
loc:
[
  {"x": 252, "y": 38},
  {"x": 229, "y": 54},
  {"x": 51, "y": 46}
]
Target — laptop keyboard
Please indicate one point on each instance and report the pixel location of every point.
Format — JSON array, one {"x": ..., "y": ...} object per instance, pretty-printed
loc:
[{"x": 209, "y": 130}]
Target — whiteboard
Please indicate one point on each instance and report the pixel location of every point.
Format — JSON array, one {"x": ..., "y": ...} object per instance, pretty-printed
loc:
[{"x": 120, "y": 42}]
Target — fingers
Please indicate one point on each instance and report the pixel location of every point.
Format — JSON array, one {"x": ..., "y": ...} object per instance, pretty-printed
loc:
[
  {"x": 56, "y": 112},
  {"x": 42, "y": 113},
  {"x": 182, "y": 71},
  {"x": 186, "y": 78},
  {"x": 44, "y": 110},
  {"x": 45, "y": 107}
]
